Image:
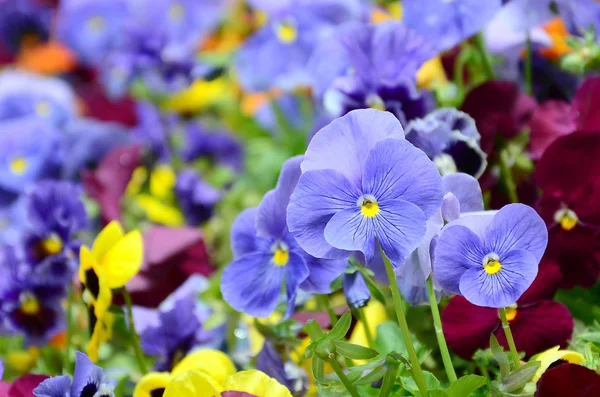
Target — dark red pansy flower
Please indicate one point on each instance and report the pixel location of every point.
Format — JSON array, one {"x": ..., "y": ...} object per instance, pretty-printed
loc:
[
  {"x": 567, "y": 175},
  {"x": 108, "y": 182},
  {"x": 98, "y": 106},
  {"x": 499, "y": 108},
  {"x": 585, "y": 103},
  {"x": 568, "y": 380},
  {"x": 171, "y": 255},
  {"x": 537, "y": 322},
  {"x": 552, "y": 119},
  {"x": 23, "y": 386}
]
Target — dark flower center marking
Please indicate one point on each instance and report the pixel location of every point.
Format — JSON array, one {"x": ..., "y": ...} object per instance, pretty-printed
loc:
[
  {"x": 89, "y": 390},
  {"x": 157, "y": 392},
  {"x": 92, "y": 283}
]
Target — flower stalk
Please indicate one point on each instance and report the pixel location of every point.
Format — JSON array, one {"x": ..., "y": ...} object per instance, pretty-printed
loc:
[
  {"x": 345, "y": 381},
  {"x": 135, "y": 339},
  {"x": 439, "y": 333},
  {"x": 509, "y": 338}
]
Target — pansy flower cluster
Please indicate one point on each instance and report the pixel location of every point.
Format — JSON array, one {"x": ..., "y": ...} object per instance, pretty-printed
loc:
[{"x": 257, "y": 198}]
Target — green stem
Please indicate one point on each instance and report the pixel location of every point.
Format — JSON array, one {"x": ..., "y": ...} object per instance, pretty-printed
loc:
[
  {"x": 326, "y": 304},
  {"x": 509, "y": 338},
  {"x": 507, "y": 177},
  {"x": 69, "y": 334},
  {"x": 135, "y": 339},
  {"x": 417, "y": 372},
  {"x": 479, "y": 42},
  {"x": 528, "y": 66},
  {"x": 340, "y": 373},
  {"x": 439, "y": 333},
  {"x": 363, "y": 319}
]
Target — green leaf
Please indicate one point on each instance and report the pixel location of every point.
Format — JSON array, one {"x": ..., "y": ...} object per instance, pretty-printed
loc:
[
  {"x": 340, "y": 329},
  {"x": 373, "y": 287},
  {"x": 389, "y": 339},
  {"x": 118, "y": 310},
  {"x": 355, "y": 352},
  {"x": 519, "y": 378},
  {"x": 500, "y": 356},
  {"x": 313, "y": 330},
  {"x": 318, "y": 369},
  {"x": 368, "y": 366},
  {"x": 372, "y": 376},
  {"x": 389, "y": 378},
  {"x": 466, "y": 385},
  {"x": 430, "y": 380}
]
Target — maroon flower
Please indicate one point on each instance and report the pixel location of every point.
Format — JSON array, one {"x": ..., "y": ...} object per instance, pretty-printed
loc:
[
  {"x": 98, "y": 106},
  {"x": 537, "y": 322},
  {"x": 23, "y": 386},
  {"x": 171, "y": 255},
  {"x": 498, "y": 107},
  {"x": 585, "y": 104},
  {"x": 568, "y": 380},
  {"x": 108, "y": 182},
  {"x": 549, "y": 121},
  {"x": 567, "y": 175}
]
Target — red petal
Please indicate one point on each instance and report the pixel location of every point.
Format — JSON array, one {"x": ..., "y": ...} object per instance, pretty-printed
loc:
[
  {"x": 568, "y": 380},
  {"x": 539, "y": 327},
  {"x": 98, "y": 106},
  {"x": 549, "y": 121},
  {"x": 545, "y": 284},
  {"x": 468, "y": 327},
  {"x": 584, "y": 104},
  {"x": 23, "y": 386}
]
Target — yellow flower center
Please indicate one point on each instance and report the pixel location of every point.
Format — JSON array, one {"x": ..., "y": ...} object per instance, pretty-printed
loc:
[
  {"x": 29, "y": 304},
  {"x": 286, "y": 32},
  {"x": 566, "y": 218},
  {"x": 96, "y": 24},
  {"x": 50, "y": 246},
  {"x": 18, "y": 165},
  {"x": 42, "y": 108},
  {"x": 281, "y": 257},
  {"x": 369, "y": 208},
  {"x": 176, "y": 12},
  {"x": 492, "y": 265},
  {"x": 511, "y": 313}
]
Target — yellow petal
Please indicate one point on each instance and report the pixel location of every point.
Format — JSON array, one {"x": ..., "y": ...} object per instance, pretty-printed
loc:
[
  {"x": 159, "y": 212},
  {"x": 108, "y": 237},
  {"x": 123, "y": 260},
  {"x": 432, "y": 74},
  {"x": 193, "y": 384},
  {"x": 102, "y": 333},
  {"x": 150, "y": 382},
  {"x": 162, "y": 181},
  {"x": 554, "y": 354},
  {"x": 86, "y": 262},
  {"x": 256, "y": 383},
  {"x": 104, "y": 298},
  {"x": 214, "y": 363}
]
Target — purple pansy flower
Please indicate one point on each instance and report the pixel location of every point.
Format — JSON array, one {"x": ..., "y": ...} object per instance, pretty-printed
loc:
[
  {"x": 580, "y": 15},
  {"x": 447, "y": 23},
  {"x": 219, "y": 146},
  {"x": 153, "y": 130},
  {"x": 372, "y": 66},
  {"x": 277, "y": 54},
  {"x": 270, "y": 362},
  {"x": 23, "y": 23},
  {"x": 356, "y": 289},
  {"x": 491, "y": 257},
  {"x": 267, "y": 255},
  {"x": 450, "y": 139},
  {"x": 88, "y": 380},
  {"x": 363, "y": 186},
  {"x": 196, "y": 197}
]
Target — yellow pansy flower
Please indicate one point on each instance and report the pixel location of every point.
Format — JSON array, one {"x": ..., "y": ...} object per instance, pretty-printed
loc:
[
  {"x": 115, "y": 258},
  {"x": 432, "y": 74},
  {"x": 200, "y": 95},
  {"x": 554, "y": 354},
  {"x": 22, "y": 361}
]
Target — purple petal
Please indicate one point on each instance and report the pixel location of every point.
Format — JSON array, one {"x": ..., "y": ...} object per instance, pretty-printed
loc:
[
  {"x": 356, "y": 290},
  {"x": 296, "y": 274},
  {"x": 477, "y": 222},
  {"x": 458, "y": 249},
  {"x": 243, "y": 233},
  {"x": 395, "y": 169},
  {"x": 344, "y": 144},
  {"x": 318, "y": 196},
  {"x": 350, "y": 230},
  {"x": 322, "y": 273},
  {"x": 400, "y": 227},
  {"x": 86, "y": 373},
  {"x": 271, "y": 220},
  {"x": 53, "y": 387},
  {"x": 462, "y": 193},
  {"x": 251, "y": 284},
  {"x": 517, "y": 226},
  {"x": 519, "y": 268}
]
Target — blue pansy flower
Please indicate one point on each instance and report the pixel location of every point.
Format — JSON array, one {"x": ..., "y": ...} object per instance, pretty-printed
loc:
[
  {"x": 24, "y": 94},
  {"x": 356, "y": 289},
  {"x": 196, "y": 197},
  {"x": 87, "y": 141},
  {"x": 447, "y": 23},
  {"x": 13, "y": 221},
  {"x": 153, "y": 130},
  {"x": 293, "y": 377},
  {"x": 450, "y": 138},
  {"x": 580, "y": 15},
  {"x": 372, "y": 66},
  {"x": 30, "y": 149},
  {"x": 363, "y": 186},
  {"x": 267, "y": 255},
  {"x": 23, "y": 23},
  {"x": 277, "y": 54},
  {"x": 91, "y": 28},
  {"x": 88, "y": 380},
  {"x": 289, "y": 105},
  {"x": 220, "y": 147},
  {"x": 491, "y": 258}
]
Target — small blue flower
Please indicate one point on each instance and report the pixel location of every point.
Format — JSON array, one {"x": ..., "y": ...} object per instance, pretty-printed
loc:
[
  {"x": 196, "y": 197},
  {"x": 356, "y": 290},
  {"x": 88, "y": 380},
  {"x": 219, "y": 146},
  {"x": 491, "y": 258},
  {"x": 267, "y": 255},
  {"x": 23, "y": 94},
  {"x": 449, "y": 138},
  {"x": 363, "y": 186},
  {"x": 277, "y": 55},
  {"x": 372, "y": 66},
  {"x": 153, "y": 130},
  {"x": 24, "y": 23},
  {"x": 447, "y": 23}
]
